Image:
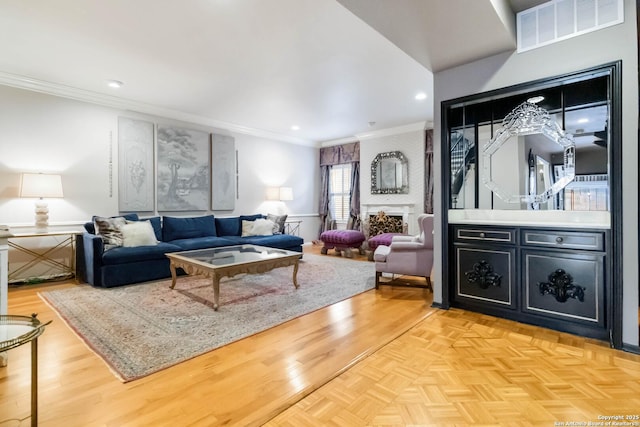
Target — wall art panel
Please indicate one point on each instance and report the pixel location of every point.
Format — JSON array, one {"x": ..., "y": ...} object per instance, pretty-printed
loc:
[
  {"x": 135, "y": 165},
  {"x": 223, "y": 173},
  {"x": 183, "y": 169}
]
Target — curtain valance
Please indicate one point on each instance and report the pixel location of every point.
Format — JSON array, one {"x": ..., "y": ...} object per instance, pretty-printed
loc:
[{"x": 340, "y": 154}]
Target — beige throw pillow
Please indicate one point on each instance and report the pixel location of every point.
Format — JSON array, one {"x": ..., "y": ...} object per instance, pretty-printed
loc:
[
  {"x": 263, "y": 227},
  {"x": 138, "y": 233},
  {"x": 246, "y": 228}
]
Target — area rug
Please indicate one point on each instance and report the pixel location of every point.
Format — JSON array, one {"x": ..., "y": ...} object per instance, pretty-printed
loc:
[{"x": 141, "y": 329}]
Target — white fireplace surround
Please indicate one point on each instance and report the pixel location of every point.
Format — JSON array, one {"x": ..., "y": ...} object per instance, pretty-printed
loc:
[{"x": 406, "y": 210}]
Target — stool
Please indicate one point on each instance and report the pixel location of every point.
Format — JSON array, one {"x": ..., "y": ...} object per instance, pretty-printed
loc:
[
  {"x": 383, "y": 239},
  {"x": 342, "y": 241}
]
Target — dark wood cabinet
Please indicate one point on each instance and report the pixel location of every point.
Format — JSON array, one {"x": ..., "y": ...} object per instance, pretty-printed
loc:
[{"x": 552, "y": 277}]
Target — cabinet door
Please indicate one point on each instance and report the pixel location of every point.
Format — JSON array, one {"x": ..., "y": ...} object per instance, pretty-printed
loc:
[
  {"x": 564, "y": 285},
  {"x": 485, "y": 275}
]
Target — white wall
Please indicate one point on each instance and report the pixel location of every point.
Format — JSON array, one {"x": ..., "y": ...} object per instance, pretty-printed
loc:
[
  {"x": 607, "y": 45},
  {"x": 412, "y": 145},
  {"x": 44, "y": 133}
]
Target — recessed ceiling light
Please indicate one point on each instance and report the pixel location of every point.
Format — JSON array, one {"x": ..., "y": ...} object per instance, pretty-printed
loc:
[
  {"x": 115, "y": 84},
  {"x": 535, "y": 99},
  {"x": 420, "y": 96},
  {"x": 295, "y": 127},
  {"x": 583, "y": 120}
]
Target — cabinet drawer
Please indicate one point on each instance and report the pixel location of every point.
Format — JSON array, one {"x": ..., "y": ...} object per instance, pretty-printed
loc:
[
  {"x": 593, "y": 241},
  {"x": 480, "y": 234}
]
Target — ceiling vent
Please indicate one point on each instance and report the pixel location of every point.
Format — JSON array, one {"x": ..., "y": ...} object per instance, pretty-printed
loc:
[{"x": 558, "y": 20}]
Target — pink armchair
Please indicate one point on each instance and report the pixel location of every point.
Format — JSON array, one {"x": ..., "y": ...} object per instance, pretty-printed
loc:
[{"x": 408, "y": 255}]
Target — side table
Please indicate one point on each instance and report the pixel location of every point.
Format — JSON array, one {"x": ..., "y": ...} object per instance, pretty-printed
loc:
[
  {"x": 18, "y": 330},
  {"x": 292, "y": 226},
  {"x": 64, "y": 240}
]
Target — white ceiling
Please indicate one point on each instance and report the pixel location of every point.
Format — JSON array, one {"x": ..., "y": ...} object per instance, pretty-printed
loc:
[{"x": 256, "y": 66}]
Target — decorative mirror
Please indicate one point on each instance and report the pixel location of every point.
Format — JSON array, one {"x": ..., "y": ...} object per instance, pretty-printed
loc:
[
  {"x": 527, "y": 119},
  {"x": 390, "y": 174},
  {"x": 498, "y": 142}
]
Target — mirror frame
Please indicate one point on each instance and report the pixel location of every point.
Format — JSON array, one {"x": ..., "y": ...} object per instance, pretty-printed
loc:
[
  {"x": 375, "y": 164},
  {"x": 526, "y": 119}
]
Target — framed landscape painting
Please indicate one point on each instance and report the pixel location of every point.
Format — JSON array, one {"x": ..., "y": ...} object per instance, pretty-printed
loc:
[
  {"x": 183, "y": 180},
  {"x": 135, "y": 165}
]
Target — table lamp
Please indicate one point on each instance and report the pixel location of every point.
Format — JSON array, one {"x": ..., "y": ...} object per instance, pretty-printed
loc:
[
  {"x": 286, "y": 193},
  {"x": 41, "y": 186}
]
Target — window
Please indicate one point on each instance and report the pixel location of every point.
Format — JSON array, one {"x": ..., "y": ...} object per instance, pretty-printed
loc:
[{"x": 339, "y": 192}]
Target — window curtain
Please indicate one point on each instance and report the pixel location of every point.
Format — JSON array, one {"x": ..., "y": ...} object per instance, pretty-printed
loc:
[
  {"x": 326, "y": 223},
  {"x": 336, "y": 155},
  {"x": 428, "y": 172},
  {"x": 354, "y": 198}
]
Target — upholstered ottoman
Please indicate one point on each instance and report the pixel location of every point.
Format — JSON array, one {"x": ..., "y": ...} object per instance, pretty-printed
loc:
[
  {"x": 383, "y": 239},
  {"x": 342, "y": 241}
]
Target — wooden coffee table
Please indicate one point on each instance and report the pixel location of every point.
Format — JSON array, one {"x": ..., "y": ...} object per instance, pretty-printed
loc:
[{"x": 229, "y": 261}]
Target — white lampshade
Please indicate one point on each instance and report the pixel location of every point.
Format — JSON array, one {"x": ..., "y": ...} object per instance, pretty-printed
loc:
[
  {"x": 286, "y": 193},
  {"x": 273, "y": 193},
  {"x": 41, "y": 185}
]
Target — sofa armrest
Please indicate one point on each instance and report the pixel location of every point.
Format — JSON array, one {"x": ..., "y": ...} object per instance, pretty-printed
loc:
[{"x": 93, "y": 250}]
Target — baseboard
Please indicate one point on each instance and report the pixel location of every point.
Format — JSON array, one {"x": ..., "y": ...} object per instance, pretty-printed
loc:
[
  {"x": 631, "y": 348},
  {"x": 440, "y": 305}
]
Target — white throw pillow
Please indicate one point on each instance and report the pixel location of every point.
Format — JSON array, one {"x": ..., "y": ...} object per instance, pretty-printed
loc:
[
  {"x": 263, "y": 227},
  {"x": 138, "y": 233},
  {"x": 247, "y": 226}
]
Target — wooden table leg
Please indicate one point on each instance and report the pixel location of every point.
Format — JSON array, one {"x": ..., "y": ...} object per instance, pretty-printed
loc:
[
  {"x": 295, "y": 275},
  {"x": 216, "y": 291},
  {"x": 173, "y": 274}
]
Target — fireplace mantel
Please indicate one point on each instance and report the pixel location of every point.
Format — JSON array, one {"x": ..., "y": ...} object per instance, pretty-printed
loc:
[{"x": 407, "y": 210}]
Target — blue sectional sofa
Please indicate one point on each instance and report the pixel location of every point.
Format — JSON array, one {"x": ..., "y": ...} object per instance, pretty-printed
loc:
[{"x": 108, "y": 266}]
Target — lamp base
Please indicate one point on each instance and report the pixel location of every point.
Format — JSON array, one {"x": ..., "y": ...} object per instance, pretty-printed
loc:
[{"x": 42, "y": 216}]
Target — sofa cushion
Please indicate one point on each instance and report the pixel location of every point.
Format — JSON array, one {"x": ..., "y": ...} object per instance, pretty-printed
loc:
[
  {"x": 174, "y": 228},
  {"x": 202, "y": 243},
  {"x": 228, "y": 226},
  {"x": 279, "y": 241},
  {"x": 123, "y": 255},
  {"x": 250, "y": 217},
  {"x": 156, "y": 223}
]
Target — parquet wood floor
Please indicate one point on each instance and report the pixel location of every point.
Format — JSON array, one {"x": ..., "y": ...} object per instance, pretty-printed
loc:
[
  {"x": 382, "y": 358},
  {"x": 461, "y": 368}
]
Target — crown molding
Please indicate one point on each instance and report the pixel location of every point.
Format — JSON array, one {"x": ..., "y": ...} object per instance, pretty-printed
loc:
[
  {"x": 70, "y": 92},
  {"x": 419, "y": 126},
  {"x": 339, "y": 141}
]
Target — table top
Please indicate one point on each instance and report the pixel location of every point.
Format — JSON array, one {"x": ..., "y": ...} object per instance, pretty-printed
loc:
[
  {"x": 46, "y": 233},
  {"x": 18, "y": 330},
  {"x": 233, "y": 255}
]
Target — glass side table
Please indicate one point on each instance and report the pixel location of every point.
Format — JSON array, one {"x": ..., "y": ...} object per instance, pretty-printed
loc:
[{"x": 18, "y": 330}]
